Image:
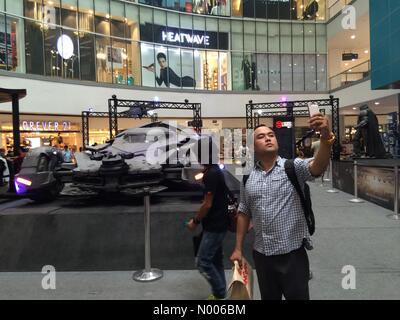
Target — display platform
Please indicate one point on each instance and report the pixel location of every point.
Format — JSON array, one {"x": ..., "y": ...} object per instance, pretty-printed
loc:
[
  {"x": 94, "y": 234},
  {"x": 376, "y": 179}
]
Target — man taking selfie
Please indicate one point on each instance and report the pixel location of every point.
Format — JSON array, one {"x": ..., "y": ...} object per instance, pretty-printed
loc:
[{"x": 269, "y": 199}]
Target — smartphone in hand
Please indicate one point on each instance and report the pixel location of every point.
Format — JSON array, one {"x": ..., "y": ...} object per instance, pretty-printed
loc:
[{"x": 313, "y": 108}]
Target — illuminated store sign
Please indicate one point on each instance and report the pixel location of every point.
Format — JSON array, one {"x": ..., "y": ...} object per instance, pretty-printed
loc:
[
  {"x": 46, "y": 126},
  {"x": 283, "y": 124},
  {"x": 184, "y": 37}
]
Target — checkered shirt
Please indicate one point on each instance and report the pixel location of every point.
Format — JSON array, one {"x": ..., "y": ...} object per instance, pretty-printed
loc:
[{"x": 274, "y": 206}]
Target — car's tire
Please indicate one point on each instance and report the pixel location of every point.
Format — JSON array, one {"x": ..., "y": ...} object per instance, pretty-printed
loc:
[{"x": 48, "y": 194}]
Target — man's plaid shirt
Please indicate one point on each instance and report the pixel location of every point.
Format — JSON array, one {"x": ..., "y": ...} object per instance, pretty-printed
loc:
[{"x": 274, "y": 206}]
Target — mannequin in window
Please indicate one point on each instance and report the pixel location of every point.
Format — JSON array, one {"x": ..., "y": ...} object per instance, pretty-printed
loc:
[
  {"x": 168, "y": 76},
  {"x": 216, "y": 10},
  {"x": 254, "y": 76},
  {"x": 246, "y": 67},
  {"x": 310, "y": 13}
]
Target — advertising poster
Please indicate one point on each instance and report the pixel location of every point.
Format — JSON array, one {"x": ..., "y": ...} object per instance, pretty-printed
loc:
[
  {"x": 342, "y": 174},
  {"x": 376, "y": 185}
]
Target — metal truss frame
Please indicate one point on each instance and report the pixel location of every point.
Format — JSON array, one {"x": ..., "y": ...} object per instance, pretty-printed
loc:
[
  {"x": 255, "y": 111},
  {"x": 114, "y": 113}
]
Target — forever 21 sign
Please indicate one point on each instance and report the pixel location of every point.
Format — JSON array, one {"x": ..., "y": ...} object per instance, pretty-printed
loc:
[{"x": 46, "y": 126}]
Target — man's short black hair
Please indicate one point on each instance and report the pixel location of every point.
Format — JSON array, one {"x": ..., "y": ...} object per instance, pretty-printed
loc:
[
  {"x": 161, "y": 55},
  {"x": 263, "y": 125}
]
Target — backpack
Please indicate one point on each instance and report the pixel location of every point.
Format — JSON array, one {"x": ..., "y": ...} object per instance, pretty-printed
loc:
[{"x": 305, "y": 198}]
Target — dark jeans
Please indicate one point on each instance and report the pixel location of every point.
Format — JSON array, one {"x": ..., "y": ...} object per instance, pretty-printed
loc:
[
  {"x": 286, "y": 274},
  {"x": 210, "y": 262}
]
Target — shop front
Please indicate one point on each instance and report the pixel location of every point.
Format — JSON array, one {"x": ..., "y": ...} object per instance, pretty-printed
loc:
[{"x": 41, "y": 130}]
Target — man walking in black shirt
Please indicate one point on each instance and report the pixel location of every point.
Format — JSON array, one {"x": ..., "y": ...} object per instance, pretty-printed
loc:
[{"x": 213, "y": 215}]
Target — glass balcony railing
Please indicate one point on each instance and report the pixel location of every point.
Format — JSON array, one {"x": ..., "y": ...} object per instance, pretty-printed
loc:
[
  {"x": 354, "y": 74},
  {"x": 335, "y": 6}
]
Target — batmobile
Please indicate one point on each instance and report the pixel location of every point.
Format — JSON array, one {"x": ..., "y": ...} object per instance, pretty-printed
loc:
[{"x": 153, "y": 154}]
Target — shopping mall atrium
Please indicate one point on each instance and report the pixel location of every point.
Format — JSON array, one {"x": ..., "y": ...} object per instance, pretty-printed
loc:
[{"x": 75, "y": 74}]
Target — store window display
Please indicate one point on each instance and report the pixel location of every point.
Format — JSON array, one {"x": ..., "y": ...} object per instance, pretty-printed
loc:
[{"x": 167, "y": 75}]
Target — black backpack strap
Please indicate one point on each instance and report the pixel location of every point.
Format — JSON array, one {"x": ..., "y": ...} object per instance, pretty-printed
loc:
[
  {"x": 291, "y": 173},
  {"x": 245, "y": 178}
]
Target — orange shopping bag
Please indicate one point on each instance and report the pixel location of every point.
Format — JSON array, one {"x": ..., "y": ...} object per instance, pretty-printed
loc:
[{"x": 241, "y": 286}]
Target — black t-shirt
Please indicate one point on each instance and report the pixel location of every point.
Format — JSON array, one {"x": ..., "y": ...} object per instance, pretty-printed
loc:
[{"x": 216, "y": 219}]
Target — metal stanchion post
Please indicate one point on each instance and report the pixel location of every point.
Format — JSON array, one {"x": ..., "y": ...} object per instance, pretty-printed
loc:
[
  {"x": 332, "y": 189},
  {"x": 395, "y": 216},
  {"x": 356, "y": 199},
  {"x": 148, "y": 274},
  {"x": 328, "y": 173}
]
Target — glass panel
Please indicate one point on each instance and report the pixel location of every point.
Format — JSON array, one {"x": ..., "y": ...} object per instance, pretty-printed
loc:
[
  {"x": 146, "y": 24},
  {"x": 199, "y": 65},
  {"x": 173, "y": 20},
  {"x": 51, "y": 12},
  {"x": 297, "y": 37},
  {"x": 12, "y": 44},
  {"x": 238, "y": 83},
  {"x": 117, "y": 19},
  {"x": 134, "y": 68},
  {"x": 248, "y": 8},
  {"x": 321, "y": 38},
  {"x": 3, "y": 36},
  {"x": 147, "y": 54},
  {"x": 237, "y": 35},
  {"x": 102, "y": 17},
  {"x": 262, "y": 71},
  {"x": 310, "y": 72},
  {"x": 201, "y": 7},
  {"x": 273, "y": 37},
  {"x": 286, "y": 72},
  {"x": 261, "y": 9},
  {"x": 2, "y": 5},
  {"x": 321, "y": 14},
  {"x": 187, "y": 67},
  {"x": 262, "y": 36},
  {"x": 274, "y": 72},
  {"x": 119, "y": 61},
  {"x": 212, "y": 72},
  {"x": 321, "y": 72},
  {"x": 273, "y": 10},
  {"x": 309, "y": 37},
  {"x": 69, "y": 14},
  {"x": 173, "y": 70},
  {"x": 219, "y": 7},
  {"x": 87, "y": 57},
  {"x": 13, "y": 6},
  {"x": 186, "y": 22},
  {"x": 86, "y": 15},
  {"x": 237, "y": 8},
  {"x": 249, "y": 36},
  {"x": 53, "y": 60},
  {"x": 103, "y": 59},
  {"x": 132, "y": 25},
  {"x": 224, "y": 32},
  {"x": 298, "y": 72},
  {"x": 34, "y": 47},
  {"x": 199, "y": 23},
  {"x": 33, "y": 9},
  {"x": 224, "y": 83},
  {"x": 286, "y": 38}
]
